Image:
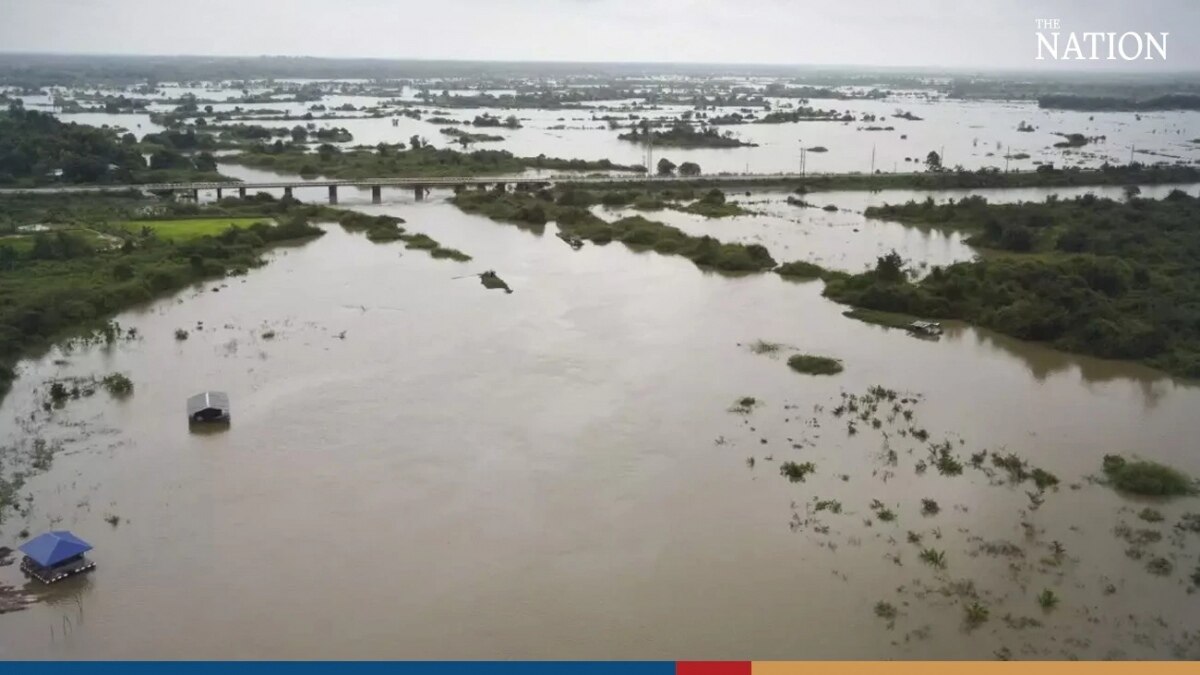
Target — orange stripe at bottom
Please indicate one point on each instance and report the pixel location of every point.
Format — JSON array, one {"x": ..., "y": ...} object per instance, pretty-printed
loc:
[{"x": 973, "y": 667}]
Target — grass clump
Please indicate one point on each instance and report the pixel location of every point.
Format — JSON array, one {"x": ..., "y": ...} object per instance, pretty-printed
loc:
[
  {"x": 799, "y": 269},
  {"x": 744, "y": 405},
  {"x": 814, "y": 365},
  {"x": 945, "y": 461},
  {"x": 929, "y": 507},
  {"x": 117, "y": 384},
  {"x": 796, "y": 472},
  {"x": 1047, "y": 599},
  {"x": 421, "y": 242},
  {"x": 976, "y": 614},
  {"x": 885, "y": 610},
  {"x": 1160, "y": 567},
  {"x": 181, "y": 334},
  {"x": 764, "y": 347},
  {"x": 450, "y": 253},
  {"x": 1151, "y": 515},
  {"x": 933, "y": 558},
  {"x": 1014, "y": 465},
  {"x": 1043, "y": 479},
  {"x": 830, "y": 505},
  {"x": 1189, "y": 522},
  {"x": 112, "y": 519},
  {"x": 1141, "y": 477}
]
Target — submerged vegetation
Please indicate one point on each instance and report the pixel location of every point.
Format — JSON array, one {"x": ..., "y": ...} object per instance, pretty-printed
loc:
[
  {"x": 1142, "y": 477},
  {"x": 491, "y": 280},
  {"x": 535, "y": 209},
  {"x": 799, "y": 269},
  {"x": 814, "y": 365},
  {"x": 744, "y": 405},
  {"x": 684, "y": 136},
  {"x": 796, "y": 472}
]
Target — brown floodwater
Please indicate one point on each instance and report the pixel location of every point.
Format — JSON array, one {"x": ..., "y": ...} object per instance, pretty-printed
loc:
[{"x": 421, "y": 468}]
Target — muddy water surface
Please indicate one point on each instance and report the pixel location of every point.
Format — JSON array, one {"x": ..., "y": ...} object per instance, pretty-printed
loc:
[{"x": 422, "y": 468}]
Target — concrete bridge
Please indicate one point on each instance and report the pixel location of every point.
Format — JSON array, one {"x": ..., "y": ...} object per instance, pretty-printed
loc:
[{"x": 420, "y": 185}]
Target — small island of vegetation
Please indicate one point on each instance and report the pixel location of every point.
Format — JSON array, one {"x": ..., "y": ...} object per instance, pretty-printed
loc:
[
  {"x": 418, "y": 158},
  {"x": 814, "y": 365},
  {"x": 684, "y": 136}
]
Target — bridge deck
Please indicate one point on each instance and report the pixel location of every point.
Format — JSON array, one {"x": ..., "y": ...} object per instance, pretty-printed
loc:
[{"x": 413, "y": 182}]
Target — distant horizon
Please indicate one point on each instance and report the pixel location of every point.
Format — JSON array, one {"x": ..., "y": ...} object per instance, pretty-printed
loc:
[
  {"x": 1091, "y": 71},
  {"x": 1000, "y": 35}
]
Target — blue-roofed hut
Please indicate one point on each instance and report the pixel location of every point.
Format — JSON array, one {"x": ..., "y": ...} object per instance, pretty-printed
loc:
[{"x": 54, "y": 556}]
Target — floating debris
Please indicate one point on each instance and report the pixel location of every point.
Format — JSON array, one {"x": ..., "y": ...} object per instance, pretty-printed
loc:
[{"x": 490, "y": 280}]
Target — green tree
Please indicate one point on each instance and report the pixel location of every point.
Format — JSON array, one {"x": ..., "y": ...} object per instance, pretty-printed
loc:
[
  {"x": 299, "y": 134},
  {"x": 890, "y": 267},
  {"x": 665, "y": 167},
  {"x": 933, "y": 161},
  {"x": 326, "y": 151},
  {"x": 689, "y": 169},
  {"x": 168, "y": 159},
  {"x": 205, "y": 162}
]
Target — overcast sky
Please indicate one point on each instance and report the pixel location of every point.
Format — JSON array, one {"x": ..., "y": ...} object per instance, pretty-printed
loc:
[{"x": 945, "y": 33}]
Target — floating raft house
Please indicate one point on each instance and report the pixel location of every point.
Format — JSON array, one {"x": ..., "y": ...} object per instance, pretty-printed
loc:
[
  {"x": 209, "y": 406},
  {"x": 55, "y": 556}
]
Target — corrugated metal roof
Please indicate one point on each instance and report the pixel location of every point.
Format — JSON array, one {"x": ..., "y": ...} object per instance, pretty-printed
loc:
[{"x": 206, "y": 400}]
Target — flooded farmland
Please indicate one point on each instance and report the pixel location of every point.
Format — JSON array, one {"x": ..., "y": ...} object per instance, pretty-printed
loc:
[{"x": 419, "y": 467}]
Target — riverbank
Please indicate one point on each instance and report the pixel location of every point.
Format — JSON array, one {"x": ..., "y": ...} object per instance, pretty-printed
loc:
[
  {"x": 1134, "y": 174},
  {"x": 1093, "y": 276},
  {"x": 57, "y": 280}
]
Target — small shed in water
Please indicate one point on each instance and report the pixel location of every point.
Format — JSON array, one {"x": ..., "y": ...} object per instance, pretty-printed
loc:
[
  {"x": 54, "y": 556},
  {"x": 210, "y": 406}
]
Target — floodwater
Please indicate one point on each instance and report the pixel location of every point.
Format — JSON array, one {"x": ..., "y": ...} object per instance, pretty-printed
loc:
[
  {"x": 421, "y": 468},
  {"x": 972, "y": 134}
]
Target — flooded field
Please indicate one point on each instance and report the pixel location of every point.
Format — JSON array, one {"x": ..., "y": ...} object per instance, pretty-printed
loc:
[
  {"x": 971, "y": 134},
  {"x": 421, "y": 468}
]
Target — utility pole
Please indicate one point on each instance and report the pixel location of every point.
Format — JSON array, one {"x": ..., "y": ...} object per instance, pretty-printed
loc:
[
  {"x": 1006, "y": 155},
  {"x": 649, "y": 149},
  {"x": 872, "y": 158}
]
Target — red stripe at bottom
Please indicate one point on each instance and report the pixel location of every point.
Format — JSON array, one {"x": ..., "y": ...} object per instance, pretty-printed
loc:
[{"x": 712, "y": 668}]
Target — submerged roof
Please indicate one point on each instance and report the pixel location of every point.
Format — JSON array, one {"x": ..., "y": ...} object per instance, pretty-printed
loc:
[
  {"x": 51, "y": 548},
  {"x": 206, "y": 400}
]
